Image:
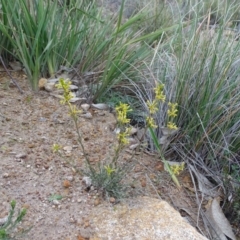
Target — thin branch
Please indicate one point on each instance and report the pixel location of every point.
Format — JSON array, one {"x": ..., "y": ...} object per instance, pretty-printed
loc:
[{"x": 9, "y": 74}]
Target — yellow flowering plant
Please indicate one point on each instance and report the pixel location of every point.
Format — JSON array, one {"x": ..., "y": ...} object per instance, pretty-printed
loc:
[
  {"x": 109, "y": 170},
  {"x": 153, "y": 107},
  {"x": 56, "y": 148},
  {"x": 73, "y": 112},
  {"x": 121, "y": 113},
  {"x": 109, "y": 176}
]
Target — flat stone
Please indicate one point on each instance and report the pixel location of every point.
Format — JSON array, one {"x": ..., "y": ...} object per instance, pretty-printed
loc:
[{"x": 141, "y": 218}]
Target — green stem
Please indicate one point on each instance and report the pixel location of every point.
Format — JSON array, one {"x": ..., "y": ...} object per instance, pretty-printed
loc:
[
  {"x": 81, "y": 143},
  {"x": 167, "y": 167}
]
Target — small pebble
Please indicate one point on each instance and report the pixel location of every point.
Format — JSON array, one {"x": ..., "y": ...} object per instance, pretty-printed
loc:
[
  {"x": 5, "y": 175},
  {"x": 3, "y": 220},
  {"x": 66, "y": 183},
  {"x": 56, "y": 202},
  {"x": 96, "y": 202},
  {"x": 87, "y": 115},
  {"x": 70, "y": 178},
  {"x": 112, "y": 200},
  {"x": 85, "y": 106},
  {"x": 21, "y": 155},
  {"x": 87, "y": 181}
]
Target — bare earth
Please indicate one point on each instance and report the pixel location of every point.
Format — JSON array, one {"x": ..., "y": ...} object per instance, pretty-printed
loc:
[{"x": 31, "y": 173}]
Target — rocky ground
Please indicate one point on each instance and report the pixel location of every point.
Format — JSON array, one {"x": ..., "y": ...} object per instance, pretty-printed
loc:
[{"x": 30, "y": 173}]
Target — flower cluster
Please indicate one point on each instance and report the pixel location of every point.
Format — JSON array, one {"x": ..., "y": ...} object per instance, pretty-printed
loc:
[
  {"x": 159, "y": 94},
  {"x": 56, "y": 148},
  {"x": 121, "y": 111},
  {"x": 109, "y": 170},
  {"x": 153, "y": 108},
  {"x": 177, "y": 168},
  {"x": 123, "y": 137},
  {"x": 172, "y": 113},
  {"x": 65, "y": 85},
  {"x": 67, "y": 96},
  {"x": 153, "y": 105}
]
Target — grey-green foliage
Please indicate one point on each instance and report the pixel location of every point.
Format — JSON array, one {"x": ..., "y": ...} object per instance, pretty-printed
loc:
[
  {"x": 7, "y": 228},
  {"x": 212, "y": 10},
  {"x": 199, "y": 67},
  {"x": 110, "y": 185}
]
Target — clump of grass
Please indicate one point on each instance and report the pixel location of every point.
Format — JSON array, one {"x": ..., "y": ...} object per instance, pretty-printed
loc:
[
  {"x": 49, "y": 35},
  {"x": 71, "y": 33},
  {"x": 7, "y": 228},
  {"x": 198, "y": 65},
  {"x": 212, "y": 12}
]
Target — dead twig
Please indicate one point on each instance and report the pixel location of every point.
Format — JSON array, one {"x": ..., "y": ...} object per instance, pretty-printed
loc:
[{"x": 9, "y": 74}]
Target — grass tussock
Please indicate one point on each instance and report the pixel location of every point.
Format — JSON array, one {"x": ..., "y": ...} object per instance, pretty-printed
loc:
[{"x": 191, "y": 47}]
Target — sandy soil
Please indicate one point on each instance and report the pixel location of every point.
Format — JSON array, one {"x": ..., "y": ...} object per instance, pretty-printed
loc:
[{"x": 31, "y": 173}]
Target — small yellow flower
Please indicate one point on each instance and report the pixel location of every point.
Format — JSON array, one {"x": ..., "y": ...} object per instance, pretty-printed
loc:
[
  {"x": 109, "y": 170},
  {"x": 172, "y": 111},
  {"x": 65, "y": 85},
  {"x": 122, "y": 137},
  {"x": 152, "y": 106},
  {"x": 74, "y": 111},
  {"x": 159, "y": 92},
  {"x": 150, "y": 122},
  {"x": 172, "y": 126},
  {"x": 122, "y": 118},
  {"x": 122, "y": 109},
  {"x": 67, "y": 96},
  {"x": 177, "y": 168},
  {"x": 56, "y": 147}
]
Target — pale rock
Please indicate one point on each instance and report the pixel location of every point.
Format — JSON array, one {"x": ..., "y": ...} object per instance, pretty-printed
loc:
[
  {"x": 70, "y": 178},
  {"x": 56, "y": 202},
  {"x": 21, "y": 155},
  {"x": 5, "y": 175},
  {"x": 140, "y": 218},
  {"x": 49, "y": 87},
  {"x": 134, "y": 146},
  {"x": 3, "y": 220},
  {"x": 67, "y": 148},
  {"x": 53, "y": 80},
  {"x": 42, "y": 82},
  {"x": 76, "y": 99},
  {"x": 87, "y": 115},
  {"x": 73, "y": 87},
  {"x": 87, "y": 181},
  {"x": 133, "y": 131},
  {"x": 85, "y": 107},
  {"x": 100, "y": 106}
]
